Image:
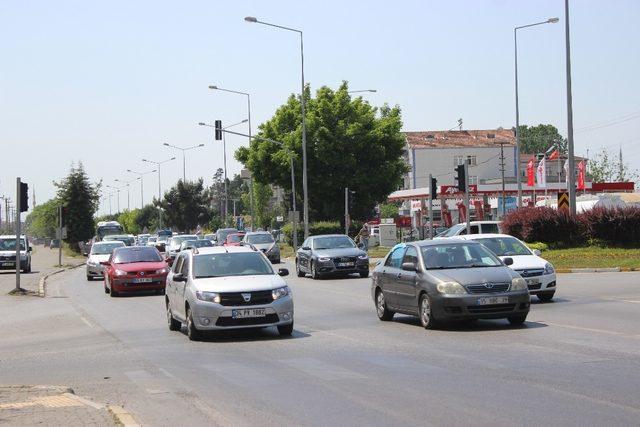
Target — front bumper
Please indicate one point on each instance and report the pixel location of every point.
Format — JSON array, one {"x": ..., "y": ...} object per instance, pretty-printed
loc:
[
  {"x": 209, "y": 316},
  {"x": 11, "y": 264},
  {"x": 544, "y": 283},
  {"x": 467, "y": 307},
  {"x": 95, "y": 270},
  {"x": 127, "y": 284},
  {"x": 331, "y": 267}
]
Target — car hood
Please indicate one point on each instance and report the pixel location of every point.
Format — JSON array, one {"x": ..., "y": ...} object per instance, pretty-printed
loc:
[
  {"x": 137, "y": 266},
  {"x": 264, "y": 246},
  {"x": 339, "y": 252},
  {"x": 468, "y": 276},
  {"x": 522, "y": 262},
  {"x": 240, "y": 283},
  {"x": 98, "y": 258}
]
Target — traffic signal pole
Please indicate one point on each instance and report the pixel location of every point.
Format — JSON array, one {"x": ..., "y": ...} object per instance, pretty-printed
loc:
[
  {"x": 431, "y": 188},
  {"x": 18, "y": 225},
  {"x": 466, "y": 196},
  {"x": 346, "y": 210},
  {"x": 60, "y": 236}
]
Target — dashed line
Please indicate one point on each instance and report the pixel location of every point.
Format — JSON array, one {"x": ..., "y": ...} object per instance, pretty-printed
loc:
[
  {"x": 86, "y": 322},
  {"x": 580, "y": 328}
]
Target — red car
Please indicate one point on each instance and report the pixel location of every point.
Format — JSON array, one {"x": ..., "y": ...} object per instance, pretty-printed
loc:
[
  {"x": 133, "y": 269},
  {"x": 233, "y": 239}
]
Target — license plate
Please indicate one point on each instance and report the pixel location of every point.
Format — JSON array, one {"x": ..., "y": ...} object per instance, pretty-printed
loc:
[
  {"x": 8, "y": 264},
  {"x": 532, "y": 281},
  {"x": 345, "y": 264},
  {"x": 492, "y": 300},
  {"x": 143, "y": 280},
  {"x": 248, "y": 312}
]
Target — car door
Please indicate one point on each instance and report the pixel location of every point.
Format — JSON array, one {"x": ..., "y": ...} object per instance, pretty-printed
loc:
[
  {"x": 305, "y": 255},
  {"x": 406, "y": 281},
  {"x": 171, "y": 285},
  {"x": 389, "y": 275}
]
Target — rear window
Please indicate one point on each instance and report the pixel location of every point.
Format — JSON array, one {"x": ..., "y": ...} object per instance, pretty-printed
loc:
[
  {"x": 105, "y": 248},
  {"x": 260, "y": 238},
  {"x": 136, "y": 254},
  {"x": 230, "y": 264},
  {"x": 490, "y": 229},
  {"x": 235, "y": 238}
]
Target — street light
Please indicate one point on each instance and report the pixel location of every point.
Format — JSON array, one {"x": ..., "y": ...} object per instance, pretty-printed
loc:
[
  {"x": 224, "y": 156},
  {"x": 213, "y": 87},
  {"x": 184, "y": 150},
  {"x": 363, "y": 90},
  {"x": 128, "y": 192},
  {"x": 305, "y": 193},
  {"x": 117, "y": 189},
  {"x": 141, "y": 174},
  {"x": 571, "y": 180},
  {"x": 515, "y": 41},
  {"x": 159, "y": 188}
]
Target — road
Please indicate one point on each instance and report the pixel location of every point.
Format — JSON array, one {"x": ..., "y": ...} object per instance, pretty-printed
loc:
[{"x": 575, "y": 362}]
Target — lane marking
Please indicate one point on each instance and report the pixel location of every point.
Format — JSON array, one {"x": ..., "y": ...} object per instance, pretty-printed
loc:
[
  {"x": 86, "y": 322},
  {"x": 580, "y": 328}
]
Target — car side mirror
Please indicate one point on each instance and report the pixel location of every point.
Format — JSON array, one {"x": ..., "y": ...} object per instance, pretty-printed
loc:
[
  {"x": 29, "y": 249},
  {"x": 305, "y": 248},
  {"x": 179, "y": 277},
  {"x": 508, "y": 261},
  {"x": 409, "y": 266},
  {"x": 537, "y": 252},
  {"x": 283, "y": 272}
]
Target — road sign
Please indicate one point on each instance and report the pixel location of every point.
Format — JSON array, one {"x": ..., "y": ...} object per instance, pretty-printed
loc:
[
  {"x": 563, "y": 200},
  {"x": 297, "y": 216},
  {"x": 416, "y": 205},
  {"x": 279, "y": 218}
]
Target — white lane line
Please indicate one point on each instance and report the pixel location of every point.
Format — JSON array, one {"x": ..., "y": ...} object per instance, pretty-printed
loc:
[
  {"x": 580, "y": 328},
  {"x": 86, "y": 322}
]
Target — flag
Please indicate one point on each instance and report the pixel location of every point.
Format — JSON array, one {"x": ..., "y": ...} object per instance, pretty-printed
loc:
[
  {"x": 554, "y": 155},
  {"x": 581, "y": 167},
  {"x": 541, "y": 174},
  {"x": 566, "y": 170},
  {"x": 531, "y": 173}
]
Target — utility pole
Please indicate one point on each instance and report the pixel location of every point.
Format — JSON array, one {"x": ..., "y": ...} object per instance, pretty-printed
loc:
[
  {"x": 60, "y": 235},
  {"x": 431, "y": 194},
  {"x": 346, "y": 210},
  {"x": 502, "y": 165},
  {"x": 466, "y": 196},
  {"x": 572, "y": 177}
]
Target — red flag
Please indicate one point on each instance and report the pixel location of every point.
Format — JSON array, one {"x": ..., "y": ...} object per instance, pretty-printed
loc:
[
  {"x": 581, "y": 175},
  {"x": 531, "y": 173},
  {"x": 554, "y": 155},
  {"x": 462, "y": 213}
]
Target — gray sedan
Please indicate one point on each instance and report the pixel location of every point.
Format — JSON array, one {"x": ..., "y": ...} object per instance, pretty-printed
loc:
[
  {"x": 449, "y": 279},
  {"x": 264, "y": 241},
  {"x": 331, "y": 254}
]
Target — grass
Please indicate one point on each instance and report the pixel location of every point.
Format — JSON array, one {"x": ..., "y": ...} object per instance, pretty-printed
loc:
[
  {"x": 286, "y": 251},
  {"x": 593, "y": 257}
]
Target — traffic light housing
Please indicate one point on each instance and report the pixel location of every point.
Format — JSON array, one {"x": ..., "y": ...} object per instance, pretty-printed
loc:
[
  {"x": 434, "y": 187},
  {"x": 24, "y": 197},
  {"x": 351, "y": 198},
  {"x": 64, "y": 213},
  {"x": 218, "y": 128},
  {"x": 461, "y": 178}
]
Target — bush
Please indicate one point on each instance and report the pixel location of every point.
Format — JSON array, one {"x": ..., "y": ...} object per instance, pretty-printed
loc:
[
  {"x": 612, "y": 226},
  {"x": 546, "y": 225},
  {"x": 315, "y": 228},
  {"x": 538, "y": 245}
]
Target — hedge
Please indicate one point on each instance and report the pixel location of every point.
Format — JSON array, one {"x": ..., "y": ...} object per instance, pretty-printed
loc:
[
  {"x": 320, "y": 227},
  {"x": 613, "y": 226}
]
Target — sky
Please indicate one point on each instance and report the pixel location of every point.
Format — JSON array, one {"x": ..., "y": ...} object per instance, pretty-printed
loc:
[{"x": 107, "y": 83}]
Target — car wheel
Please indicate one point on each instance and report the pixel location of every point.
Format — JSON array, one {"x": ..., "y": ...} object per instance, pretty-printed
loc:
[
  {"x": 160, "y": 292},
  {"x": 426, "y": 314},
  {"x": 314, "y": 272},
  {"x": 113, "y": 293},
  {"x": 546, "y": 296},
  {"x": 28, "y": 269},
  {"x": 286, "y": 330},
  {"x": 299, "y": 272},
  {"x": 89, "y": 278},
  {"x": 381, "y": 307},
  {"x": 192, "y": 332},
  {"x": 517, "y": 320},
  {"x": 174, "y": 325},
  {"x": 106, "y": 290},
  {"x": 364, "y": 274}
]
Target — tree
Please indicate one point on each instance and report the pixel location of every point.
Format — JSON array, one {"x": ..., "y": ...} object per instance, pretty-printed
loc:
[
  {"x": 388, "y": 211},
  {"x": 186, "y": 205},
  {"x": 129, "y": 220},
  {"x": 603, "y": 168},
  {"x": 147, "y": 218},
  {"x": 43, "y": 220},
  {"x": 538, "y": 139},
  {"x": 262, "y": 194},
  {"x": 349, "y": 144},
  {"x": 81, "y": 199}
]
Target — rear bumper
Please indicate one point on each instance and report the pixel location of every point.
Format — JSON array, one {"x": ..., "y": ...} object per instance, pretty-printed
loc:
[
  {"x": 11, "y": 264},
  {"x": 467, "y": 307}
]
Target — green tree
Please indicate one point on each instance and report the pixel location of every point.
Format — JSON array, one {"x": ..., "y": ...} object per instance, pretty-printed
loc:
[
  {"x": 388, "y": 211},
  {"x": 129, "y": 220},
  {"x": 349, "y": 144},
  {"x": 186, "y": 205},
  {"x": 43, "y": 219},
  {"x": 262, "y": 194},
  {"x": 605, "y": 168},
  {"x": 147, "y": 218},
  {"x": 81, "y": 199},
  {"x": 538, "y": 139}
]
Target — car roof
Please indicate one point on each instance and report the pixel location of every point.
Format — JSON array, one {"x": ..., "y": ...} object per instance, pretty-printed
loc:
[
  {"x": 224, "y": 249},
  {"x": 328, "y": 235},
  {"x": 253, "y": 233},
  {"x": 441, "y": 242},
  {"x": 109, "y": 242},
  {"x": 484, "y": 236}
]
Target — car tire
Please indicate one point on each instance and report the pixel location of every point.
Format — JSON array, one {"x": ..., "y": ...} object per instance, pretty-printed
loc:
[
  {"x": 278, "y": 261},
  {"x": 299, "y": 271},
  {"x": 314, "y": 273},
  {"x": 426, "y": 314},
  {"x": 89, "y": 278},
  {"x": 174, "y": 325},
  {"x": 28, "y": 269},
  {"x": 286, "y": 330},
  {"x": 382, "y": 311},
  {"x": 546, "y": 296},
  {"x": 364, "y": 274},
  {"x": 192, "y": 332},
  {"x": 517, "y": 320},
  {"x": 160, "y": 291},
  {"x": 106, "y": 290}
]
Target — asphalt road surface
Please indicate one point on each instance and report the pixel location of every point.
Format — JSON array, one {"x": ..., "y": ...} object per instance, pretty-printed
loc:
[{"x": 575, "y": 362}]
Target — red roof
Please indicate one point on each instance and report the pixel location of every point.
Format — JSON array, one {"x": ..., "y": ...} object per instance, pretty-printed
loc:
[{"x": 460, "y": 138}]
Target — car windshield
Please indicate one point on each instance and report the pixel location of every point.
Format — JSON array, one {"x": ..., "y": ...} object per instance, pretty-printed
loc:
[
  {"x": 224, "y": 233},
  {"x": 333, "y": 242},
  {"x": 105, "y": 248},
  {"x": 175, "y": 241},
  {"x": 151, "y": 239},
  {"x": 452, "y": 231},
  {"x": 504, "y": 246},
  {"x": 9, "y": 244},
  {"x": 197, "y": 243},
  {"x": 136, "y": 254},
  {"x": 162, "y": 238},
  {"x": 230, "y": 264},
  {"x": 260, "y": 238},
  {"x": 235, "y": 238},
  {"x": 458, "y": 255}
]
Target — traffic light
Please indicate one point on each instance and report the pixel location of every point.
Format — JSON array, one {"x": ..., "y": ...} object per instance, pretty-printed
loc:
[
  {"x": 64, "y": 213},
  {"x": 24, "y": 197},
  {"x": 218, "y": 128},
  {"x": 434, "y": 187},
  {"x": 352, "y": 195},
  {"x": 461, "y": 178}
]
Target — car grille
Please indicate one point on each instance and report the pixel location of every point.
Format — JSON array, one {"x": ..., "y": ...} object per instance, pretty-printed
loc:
[
  {"x": 7, "y": 258},
  {"x": 534, "y": 286},
  {"x": 230, "y": 321},
  {"x": 344, "y": 259},
  {"x": 236, "y": 298},
  {"x": 531, "y": 273},
  {"x": 489, "y": 288},
  {"x": 491, "y": 308}
]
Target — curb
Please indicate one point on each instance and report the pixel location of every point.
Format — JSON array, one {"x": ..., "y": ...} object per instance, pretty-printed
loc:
[
  {"x": 592, "y": 270},
  {"x": 122, "y": 416},
  {"x": 42, "y": 283}
]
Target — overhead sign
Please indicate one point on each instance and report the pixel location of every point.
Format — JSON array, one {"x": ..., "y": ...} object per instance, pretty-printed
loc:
[
  {"x": 450, "y": 190},
  {"x": 563, "y": 200},
  {"x": 416, "y": 205}
]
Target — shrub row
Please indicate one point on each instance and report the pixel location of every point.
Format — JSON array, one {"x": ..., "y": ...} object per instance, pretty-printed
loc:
[
  {"x": 320, "y": 227},
  {"x": 609, "y": 226}
]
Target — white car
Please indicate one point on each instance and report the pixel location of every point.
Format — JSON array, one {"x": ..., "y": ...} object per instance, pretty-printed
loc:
[
  {"x": 538, "y": 272},
  {"x": 475, "y": 227},
  {"x": 227, "y": 287},
  {"x": 100, "y": 251},
  {"x": 8, "y": 253},
  {"x": 173, "y": 245}
]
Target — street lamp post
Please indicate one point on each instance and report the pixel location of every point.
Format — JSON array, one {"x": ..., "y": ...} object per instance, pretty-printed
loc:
[
  {"x": 117, "y": 190},
  {"x": 363, "y": 90},
  {"x": 184, "y": 162},
  {"x": 571, "y": 180},
  {"x": 128, "y": 192},
  {"x": 305, "y": 193},
  {"x": 515, "y": 42},
  {"x": 159, "y": 187},
  {"x": 140, "y": 175}
]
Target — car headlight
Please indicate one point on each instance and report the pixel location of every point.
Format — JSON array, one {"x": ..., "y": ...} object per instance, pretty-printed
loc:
[
  {"x": 120, "y": 272},
  {"x": 324, "y": 259},
  {"x": 519, "y": 284},
  {"x": 548, "y": 269},
  {"x": 365, "y": 256},
  {"x": 280, "y": 292},
  {"x": 451, "y": 288},
  {"x": 164, "y": 270},
  {"x": 208, "y": 296}
]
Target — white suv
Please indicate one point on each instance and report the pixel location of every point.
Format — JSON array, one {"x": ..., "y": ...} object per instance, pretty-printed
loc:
[
  {"x": 8, "y": 253},
  {"x": 227, "y": 287},
  {"x": 475, "y": 227}
]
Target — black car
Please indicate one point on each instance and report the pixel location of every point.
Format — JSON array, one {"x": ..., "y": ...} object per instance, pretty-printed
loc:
[
  {"x": 331, "y": 254},
  {"x": 448, "y": 279}
]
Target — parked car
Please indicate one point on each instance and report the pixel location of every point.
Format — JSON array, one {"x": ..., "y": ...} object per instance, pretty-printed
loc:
[
  {"x": 54, "y": 244},
  {"x": 233, "y": 239},
  {"x": 227, "y": 288},
  {"x": 134, "y": 269},
  {"x": 331, "y": 254},
  {"x": 173, "y": 245},
  {"x": 100, "y": 252},
  {"x": 448, "y": 279},
  {"x": 475, "y": 227},
  {"x": 127, "y": 239},
  {"x": 8, "y": 253},
  {"x": 195, "y": 244},
  {"x": 535, "y": 270},
  {"x": 264, "y": 241},
  {"x": 221, "y": 234}
]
